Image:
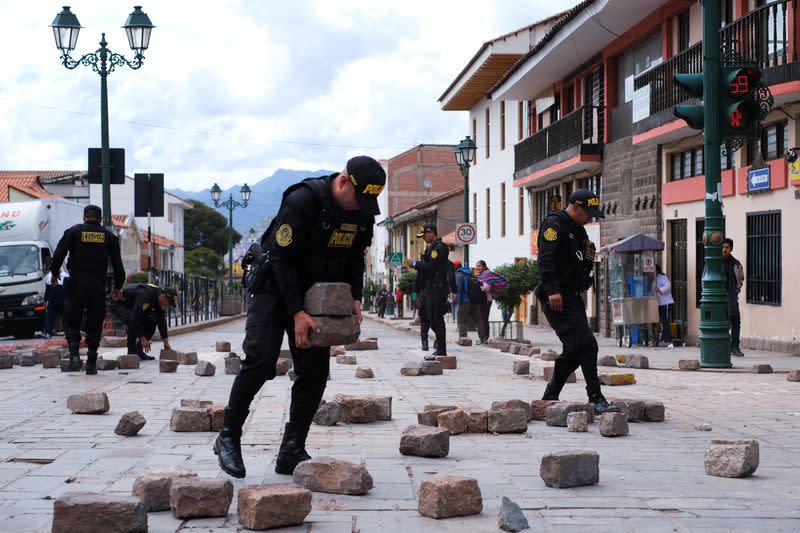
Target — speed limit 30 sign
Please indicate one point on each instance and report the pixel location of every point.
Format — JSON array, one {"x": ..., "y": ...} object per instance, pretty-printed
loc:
[{"x": 466, "y": 234}]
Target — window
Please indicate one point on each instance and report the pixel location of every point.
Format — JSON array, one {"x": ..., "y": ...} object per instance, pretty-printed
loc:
[
  {"x": 570, "y": 103},
  {"x": 502, "y": 209},
  {"x": 546, "y": 201},
  {"x": 540, "y": 121},
  {"x": 683, "y": 31},
  {"x": 521, "y": 210},
  {"x": 486, "y": 140},
  {"x": 763, "y": 268},
  {"x": 475, "y": 137},
  {"x": 488, "y": 214},
  {"x": 687, "y": 164},
  {"x": 568, "y": 188},
  {"x": 774, "y": 142},
  {"x": 632, "y": 63},
  {"x": 593, "y": 183},
  {"x": 520, "y": 120},
  {"x": 697, "y": 162},
  {"x": 475, "y": 207},
  {"x": 555, "y": 109},
  {"x": 502, "y": 125},
  {"x": 726, "y": 12}
]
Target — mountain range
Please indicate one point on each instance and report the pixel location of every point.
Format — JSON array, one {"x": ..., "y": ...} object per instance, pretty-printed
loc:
[{"x": 264, "y": 200}]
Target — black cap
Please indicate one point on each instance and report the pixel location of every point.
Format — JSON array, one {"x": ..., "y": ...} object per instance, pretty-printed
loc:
[
  {"x": 171, "y": 293},
  {"x": 588, "y": 201},
  {"x": 368, "y": 178},
  {"x": 431, "y": 227},
  {"x": 93, "y": 211}
]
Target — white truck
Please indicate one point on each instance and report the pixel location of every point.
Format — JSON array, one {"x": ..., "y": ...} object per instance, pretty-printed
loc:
[{"x": 29, "y": 233}]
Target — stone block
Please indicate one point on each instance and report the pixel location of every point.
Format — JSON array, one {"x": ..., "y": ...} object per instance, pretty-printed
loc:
[
  {"x": 538, "y": 408},
  {"x": 337, "y": 350},
  {"x": 449, "y": 496},
  {"x": 607, "y": 360},
  {"x": 102, "y": 364},
  {"x": 620, "y": 357},
  {"x": 508, "y": 421},
  {"x": 549, "y": 355},
  {"x": 194, "y": 497},
  {"x": 425, "y": 441},
  {"x": 794, "y": 348},
  {"x": 26, "y": 359},
  {"x": 794, "y": 375},
  {"x": 633, "y": 360},
  {"x": 216, "y": 414},
  {"x": 454, "y": 421},
  {"x": 167, "y": 366},
  {"x": 328, "y": 414},
  {"x": 547, "y": 374},
  {"x": 335, "y": 331},
  {"x": 510, "y": 517},
  {"x": 50, "y": 360},
  {"x": 233, "y": 365},
  {"x": 39, "y": 354},
  {"x": 514, "y": 349},
  {"x": 513, "y": 404},
  {"x": 578, "y": 422},
  {"x": 633, "y": 409},
  {"x": 478, "y": 421},
  {"x": 326, "y": 474},
  {"x": 617, "y": 379},
  {"x": 205, "y": 368},
  {"x": 364, "y": 409},
  {"x": 222, "y": 346},
  {"x": 689, "y": 364},
  {"x": 364, "y": 372},
  {"x": 88, "y": 403},
  {"x": 329, "y": 299},
  {"x": 282, "y": 366},
  {"x": 527, "y": 351},
  {"x": 168, "y": 354},
  {"x": 613, "y": 424},
  {"x": 110, "y": 341},
  {"x": 573, "y": 468},
  {"x": 189, "y": 419},
  {"x": 780, "y": 345},
  {"x": 412, "y": 368},
  {"x": 464, "y": 341},
  {"x": 130, "y": 424},
  {"x": 273, "y": 505},
  {"x": 198, "y": 404},
  {"x": 64, "y": 364},
  {"x": 83, "y": 512},
  {"x": 653, "y": 411},
  {"x": 346, "y": 360},
  {"x": 430, "y": 416},
  {"x": 361, "y": 345},
  {"x": 152, "y": 487},
  {"x": 556, "y": 414},
  {"x": 761, "y": 369},
  {"x": 188, "y": 358},
  {"x": 506, "y": 347},
  {"x": 448, "y": 362},
  {"x": 522, "y": 367},
  {"x": 732, "y": 458},
  {"x": 431, "y": 368},
  {"x": 128, "y": 362}
]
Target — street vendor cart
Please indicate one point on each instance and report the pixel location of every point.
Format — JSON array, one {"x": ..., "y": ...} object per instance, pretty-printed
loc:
[{"x": 634, "y": 307}]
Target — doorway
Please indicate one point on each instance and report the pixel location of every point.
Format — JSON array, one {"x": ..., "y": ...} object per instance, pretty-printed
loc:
[{"x": 678, "y": 271}]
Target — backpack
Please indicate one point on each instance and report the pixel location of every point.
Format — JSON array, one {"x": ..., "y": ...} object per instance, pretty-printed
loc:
[
  {"x": 475, "y": 290},
  {"x": 497, "y": 282}
]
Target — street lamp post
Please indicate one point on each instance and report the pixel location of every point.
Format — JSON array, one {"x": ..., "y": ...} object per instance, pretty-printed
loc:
[
  {"x": 389, "y": 223},
  {"x": 230, "y": 204},
  {"x": 65, "y": 31},
  {"x": 464, "y": 152}
]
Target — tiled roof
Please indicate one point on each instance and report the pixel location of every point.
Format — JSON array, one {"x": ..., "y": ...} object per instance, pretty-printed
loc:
[
  {"x": 25, "y": 182},
  {"x": 120, "y": 221},
  {"x": 158, "y": 240}
]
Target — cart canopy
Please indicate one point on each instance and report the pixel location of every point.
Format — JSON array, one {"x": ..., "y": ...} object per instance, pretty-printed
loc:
[{"x": 635, "y": 243}]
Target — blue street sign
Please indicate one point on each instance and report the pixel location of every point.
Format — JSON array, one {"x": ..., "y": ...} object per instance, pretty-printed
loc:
[{"x": 758, "y": 179}]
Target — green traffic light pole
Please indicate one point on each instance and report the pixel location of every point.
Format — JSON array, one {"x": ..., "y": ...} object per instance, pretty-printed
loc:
[{"x": 715, "y": 342}]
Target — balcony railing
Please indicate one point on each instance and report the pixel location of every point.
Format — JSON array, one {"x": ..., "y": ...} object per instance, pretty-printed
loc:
[
  {"x": 582, "y": 126},
  {"x": 762, "y": 35}
]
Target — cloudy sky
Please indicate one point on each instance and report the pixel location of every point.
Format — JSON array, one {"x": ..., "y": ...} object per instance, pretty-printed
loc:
[{"x": 232, "y": 90}]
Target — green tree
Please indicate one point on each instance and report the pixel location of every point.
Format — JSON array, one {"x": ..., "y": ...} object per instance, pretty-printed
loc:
[
  {"x": 522, "y": 278},
  {"x": 204, "y": 227},
  {"x": 406, "y": 282},
  {"x": 203, "y": 262},
  {"x": 369, "y": 290}
]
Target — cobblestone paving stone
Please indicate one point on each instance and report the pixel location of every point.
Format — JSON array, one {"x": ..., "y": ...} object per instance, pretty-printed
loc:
[{"x": 650, "y": 480}]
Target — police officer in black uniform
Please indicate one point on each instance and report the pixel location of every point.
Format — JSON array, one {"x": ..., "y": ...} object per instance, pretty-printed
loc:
[
  {"x": 566, "y": 262},
  {"x": 319, "y": 235},
  {"x": 90, "y": 247},
  {"x": 143, "y": 309},
  {"x": 433, "y": 274}
]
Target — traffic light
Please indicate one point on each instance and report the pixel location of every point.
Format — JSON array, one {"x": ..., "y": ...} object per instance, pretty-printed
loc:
[
  {"x": 741, "y": 111},
  {"x": 692, "y": 114}
]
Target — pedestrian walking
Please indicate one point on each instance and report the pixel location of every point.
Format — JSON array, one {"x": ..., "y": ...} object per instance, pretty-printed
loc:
[
  {"x": 398, "y": 301},
  {"x": 433, "y": 272},
  {"x": 143, "y": 309},
  {"x": 663, "y": 289},
  {"x": 484, "y": 308},
  {"x": 55, "y": 298},
  {"x": 382, "y": 299},
  {"x": 90, "y": 247},
  {"x": 566, "y": 262},
  {"x": 467, "y": 309},
  {"x": 320, "y": 234},
  {"x": 453, "y": 299},
  {"x": 734, "y": 278}
]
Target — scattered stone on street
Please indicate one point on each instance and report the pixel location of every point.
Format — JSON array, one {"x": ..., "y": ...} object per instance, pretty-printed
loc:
[
  {"x": 346, "y": 360},
  {"x": 272, "y": 505},
  {"x": 83, "y": 512},
  {"x": 454, "y": 421},
  {"x": 364, "y": 372},
  {"x": 166, "y": 366},
  {"x": 613, "y": 424},
  {"x": 689, "y": 364},
  {"x": 364, "y": 409},
  {"x": 130, "y": 424},
  {"x": 326, "y": 474},
  {"x": 88, "y": 403},
  {"x": 102, "y": 364},
  {"x": 732, "y": 458},
  {"x": 189, "y": 419},
  {"x": 328, "y": 414},
  {"x": 232, "y": 364},
  {"x": 617, "y": 379},
  {"x": 425, "y": 441},
  {"x": 187, "y": 358},
  {"x": 510, "y": 517},
  {"x": 205, "y": 368},
  {"x": 223, "y": 346},
  {"x": 448, "y": 362},
  {"x": 522, "y": 367},
  {"x": 153, "y": 486},
  {"x": 762, "y": 369},
  {"x": 195, "y": 497},
  {"x": 570, "y": 468},
  {"x": 128, "y": 362},
  {"x": 578, "y": 422},
  {"x": 508, "y": 420},
  {"x": 449, "y": 496}
]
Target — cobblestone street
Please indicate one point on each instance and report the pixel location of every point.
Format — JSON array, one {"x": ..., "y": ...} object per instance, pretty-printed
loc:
[{"x": 651, "y": 480}]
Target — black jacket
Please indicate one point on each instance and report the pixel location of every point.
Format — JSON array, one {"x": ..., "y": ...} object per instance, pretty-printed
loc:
[
  {"x": 90, "y": 247},
  {"x": 142, "y": 300},
  {"x": 434, "y": 268},
  {"x": 312, "y": 239},
  {"x": 563, "y": 265}
]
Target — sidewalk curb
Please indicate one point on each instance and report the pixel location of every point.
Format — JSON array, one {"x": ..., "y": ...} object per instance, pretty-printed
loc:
[{"x": 197, "y": 326}]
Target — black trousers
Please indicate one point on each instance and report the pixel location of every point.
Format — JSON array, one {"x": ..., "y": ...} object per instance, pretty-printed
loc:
[
  {"x": 267, "y": 322},
  {"x": 579, "y": 344},
  {"x": 123, "y": 313},
  {"x": 432, "y": 307},
  {"x": 89, "y": 295}
]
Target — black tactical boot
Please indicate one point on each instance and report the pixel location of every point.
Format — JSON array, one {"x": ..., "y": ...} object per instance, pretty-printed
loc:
[
  {"x": 74, "y": 362},
  {"x": 601, "y": 405},
  {"x": 292, "y": 450},
  {"x": 91, "y": 364},
  {"x": 441, "y": 348},
  {"x": 424, "y": 339},
  {"x": 551, "y": 392},
  {"x": 229, "y": 446}
]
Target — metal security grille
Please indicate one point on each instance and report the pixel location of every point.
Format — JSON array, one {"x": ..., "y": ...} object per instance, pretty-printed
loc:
[
  {"x": 763, "y": 271},
  {"x": 678, "y": 268},
  {"x": 700, "y": 254}
]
